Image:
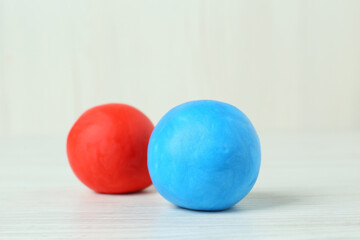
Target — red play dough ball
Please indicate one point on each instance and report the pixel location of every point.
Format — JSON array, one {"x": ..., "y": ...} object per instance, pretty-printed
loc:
[{"x": 107, "y": 148}]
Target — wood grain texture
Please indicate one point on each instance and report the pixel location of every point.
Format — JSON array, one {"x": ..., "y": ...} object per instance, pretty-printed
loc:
[
  {"x": 307, "y": 189},
  {"x": 288, "y": 64}
]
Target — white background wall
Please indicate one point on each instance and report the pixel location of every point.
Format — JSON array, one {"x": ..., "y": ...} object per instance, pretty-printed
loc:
[{"x": 289, "y": 65}]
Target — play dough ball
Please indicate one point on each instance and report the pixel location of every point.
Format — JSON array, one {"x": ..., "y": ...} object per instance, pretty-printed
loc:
[
  {"x": 204, "y": 155},
  {"x": 107, "y": 148}
]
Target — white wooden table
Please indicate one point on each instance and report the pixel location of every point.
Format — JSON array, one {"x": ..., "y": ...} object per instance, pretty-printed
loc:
[{"x": 308, "y": 188}]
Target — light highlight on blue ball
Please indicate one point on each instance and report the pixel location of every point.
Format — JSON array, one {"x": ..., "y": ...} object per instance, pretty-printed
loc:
[{"x": 204, "y": 155}]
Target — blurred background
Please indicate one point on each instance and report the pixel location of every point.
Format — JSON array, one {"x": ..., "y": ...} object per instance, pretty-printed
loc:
[{"x": 289, "y": 65}]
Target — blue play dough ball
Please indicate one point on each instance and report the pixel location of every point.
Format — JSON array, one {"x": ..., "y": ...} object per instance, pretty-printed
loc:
[{"x": 204, "y": 155}]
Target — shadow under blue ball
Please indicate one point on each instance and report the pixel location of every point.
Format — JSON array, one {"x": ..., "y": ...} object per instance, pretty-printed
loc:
[{"x": 204, "y": 155}]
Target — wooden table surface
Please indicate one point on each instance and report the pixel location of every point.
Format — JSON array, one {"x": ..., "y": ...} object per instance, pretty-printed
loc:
[{"x": 308, "y": 188}]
